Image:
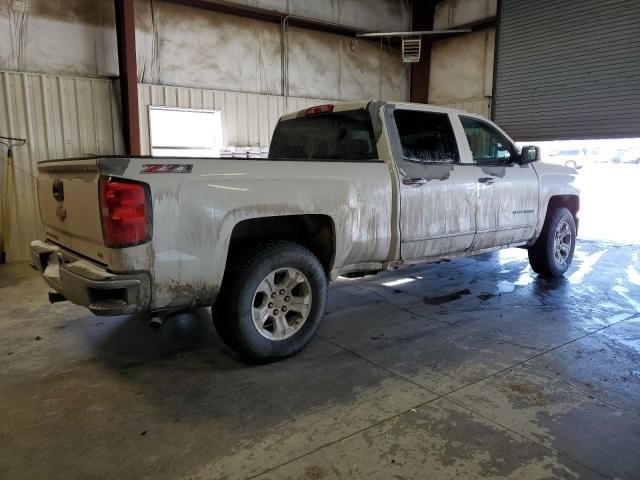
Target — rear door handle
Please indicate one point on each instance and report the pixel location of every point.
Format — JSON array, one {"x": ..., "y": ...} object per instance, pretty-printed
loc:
[
  {"x": 414, "y": 181},
  {"x": 58, "y": 190},
  {"x": 486, "y": 180}
]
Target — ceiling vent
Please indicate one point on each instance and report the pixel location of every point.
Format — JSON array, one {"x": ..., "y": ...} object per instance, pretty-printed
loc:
[{"x": 411, "y": 49}]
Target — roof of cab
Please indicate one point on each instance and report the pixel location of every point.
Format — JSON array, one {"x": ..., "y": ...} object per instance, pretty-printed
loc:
[
  {"x": 362, "y": 104},
  {"x": 337, "y": 107}
]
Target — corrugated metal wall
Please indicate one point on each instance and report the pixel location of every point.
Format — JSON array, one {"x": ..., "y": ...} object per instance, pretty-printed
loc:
[
  {"x": 66, "y": 117},
  {"x": 59, "y": 117},
  {"x": 568, "y": 70},
  {"x": 248, "y": 119}
]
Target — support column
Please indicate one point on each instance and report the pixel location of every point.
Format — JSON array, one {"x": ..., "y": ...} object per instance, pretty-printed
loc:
[
  {"x": 126, "y": 32},
  {"x": 422, "y": 19}
]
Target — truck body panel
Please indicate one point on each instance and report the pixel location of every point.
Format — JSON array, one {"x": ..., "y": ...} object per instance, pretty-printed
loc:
[
  {"x": 194, "y": 215},
  {"x": 69, "y": 207}
]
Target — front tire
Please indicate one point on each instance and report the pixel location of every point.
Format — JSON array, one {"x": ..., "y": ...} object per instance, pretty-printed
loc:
[
  {"x": 552, "y": 253},
  {"x": 272, "y": 302}
]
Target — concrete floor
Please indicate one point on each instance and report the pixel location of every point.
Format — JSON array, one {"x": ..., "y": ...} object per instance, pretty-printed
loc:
[{"x": 468, "y": 369}]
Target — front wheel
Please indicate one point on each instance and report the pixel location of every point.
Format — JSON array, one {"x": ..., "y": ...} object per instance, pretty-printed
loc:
[
  {"x": 552, "y": 253},
  {"x": 272, "y": 303}
]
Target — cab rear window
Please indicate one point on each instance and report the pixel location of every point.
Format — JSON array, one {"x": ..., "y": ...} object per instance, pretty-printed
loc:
[{"x": 331, "y": 136}]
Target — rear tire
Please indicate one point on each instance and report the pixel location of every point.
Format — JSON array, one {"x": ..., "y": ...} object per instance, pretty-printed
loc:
[
  {"x": 552, "y": 253},
  {"x": 272, "y": 302}
]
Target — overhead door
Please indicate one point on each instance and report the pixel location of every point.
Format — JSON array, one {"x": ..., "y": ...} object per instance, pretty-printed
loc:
[{"x": 568, "y": 69}]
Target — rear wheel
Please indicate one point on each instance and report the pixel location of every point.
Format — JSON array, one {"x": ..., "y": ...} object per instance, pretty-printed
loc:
[
  {"x": 272, "y": 303},
  {"x": 552, "y": 253}
]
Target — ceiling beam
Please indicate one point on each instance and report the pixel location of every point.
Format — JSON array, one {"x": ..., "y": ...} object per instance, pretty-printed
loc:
[
  {"x": 273, "y": 16},
  {"x": 477, "y": 25}
]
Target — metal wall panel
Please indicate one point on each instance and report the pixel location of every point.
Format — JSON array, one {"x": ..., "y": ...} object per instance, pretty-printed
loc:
[
  {"x": 60, "y": 117},
  {"x": 248, "y": 119},
  {"x": 568, "y": 70}
]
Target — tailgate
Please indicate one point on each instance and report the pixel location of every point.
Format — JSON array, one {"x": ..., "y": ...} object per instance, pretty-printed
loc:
[{"x": 69, "y": 206}]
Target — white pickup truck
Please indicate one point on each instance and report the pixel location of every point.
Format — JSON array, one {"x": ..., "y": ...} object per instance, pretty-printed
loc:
[{"x": 348, "y": 189}]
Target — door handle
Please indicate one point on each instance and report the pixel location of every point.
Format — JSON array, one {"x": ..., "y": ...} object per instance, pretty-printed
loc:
[
  {"x": 486, "y": 180},
  {"x": 414, "y": 181},
  {"x": 58, "y": 190}
]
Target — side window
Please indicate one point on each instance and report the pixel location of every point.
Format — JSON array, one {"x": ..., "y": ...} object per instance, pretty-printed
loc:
[
  {"x": 426, "y": 137},
  {"x": 488, "y": 145}
]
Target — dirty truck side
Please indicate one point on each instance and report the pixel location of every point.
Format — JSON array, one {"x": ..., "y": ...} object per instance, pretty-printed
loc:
[{"x": 348, "y": 189}]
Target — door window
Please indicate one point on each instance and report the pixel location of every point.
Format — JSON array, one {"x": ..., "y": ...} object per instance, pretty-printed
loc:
[
  {"x": 426, "y": 137},
  {"x": 488, "y": 145}
]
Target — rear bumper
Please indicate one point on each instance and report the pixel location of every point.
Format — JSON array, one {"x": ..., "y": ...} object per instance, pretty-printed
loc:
[{"x": 88, "y": 284}]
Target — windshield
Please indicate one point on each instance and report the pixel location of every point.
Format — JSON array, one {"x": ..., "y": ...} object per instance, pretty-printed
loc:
[{"x": 331, "y": 136}]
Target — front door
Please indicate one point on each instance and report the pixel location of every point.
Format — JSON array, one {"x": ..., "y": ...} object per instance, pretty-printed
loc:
[
  {"x": 437, "y": 193},
  {"x": 507, "y": 206}
]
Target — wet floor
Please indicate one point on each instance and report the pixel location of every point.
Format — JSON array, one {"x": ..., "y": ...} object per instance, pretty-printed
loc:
[{"x": 474, "y": 368}]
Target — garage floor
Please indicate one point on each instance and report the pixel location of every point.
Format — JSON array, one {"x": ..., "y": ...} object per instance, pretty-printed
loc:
[{"x": 472, "y": 368}]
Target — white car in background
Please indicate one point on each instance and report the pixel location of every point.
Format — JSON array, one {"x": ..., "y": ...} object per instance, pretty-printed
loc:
[
  {"x": 571, "y": 157},
  {"x": 631, "y": 155}
]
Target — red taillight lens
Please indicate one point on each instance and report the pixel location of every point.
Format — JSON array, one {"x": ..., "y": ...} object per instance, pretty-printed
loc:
[
  {"x": 319, "y": 109},
  {"x": 125, "y": 211}
]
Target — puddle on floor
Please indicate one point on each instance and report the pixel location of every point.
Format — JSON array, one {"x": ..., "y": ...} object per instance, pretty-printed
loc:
[
  {"x": 505, "y": 287},
  {"x": 450, "y": 297}
]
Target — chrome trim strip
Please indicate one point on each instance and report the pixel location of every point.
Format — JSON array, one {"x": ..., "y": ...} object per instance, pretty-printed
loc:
[
  {"x": 450, "y": 235},
  {"x": 436, "y": 237}
]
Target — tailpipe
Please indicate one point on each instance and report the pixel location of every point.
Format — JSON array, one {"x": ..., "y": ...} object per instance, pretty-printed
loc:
[{"x": 155, "y": 322}]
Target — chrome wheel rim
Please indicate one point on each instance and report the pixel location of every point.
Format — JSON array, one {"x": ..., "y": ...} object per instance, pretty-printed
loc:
[
  {"x": 562, "y": 243},
  {"x": 281, "y": 303}
]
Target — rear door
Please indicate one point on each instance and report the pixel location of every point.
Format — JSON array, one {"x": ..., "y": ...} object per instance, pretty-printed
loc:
[
  {"x": 507, "y": 205},
  {"x": 69, "y": 206},
  {"x": 437, "y": 193}
]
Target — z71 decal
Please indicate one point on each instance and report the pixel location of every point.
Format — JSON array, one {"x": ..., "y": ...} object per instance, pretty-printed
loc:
[{"x": 167, "y": 168}]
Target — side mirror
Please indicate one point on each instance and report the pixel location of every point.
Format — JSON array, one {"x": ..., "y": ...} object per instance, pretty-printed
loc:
[{"x": 529, "y": 154}]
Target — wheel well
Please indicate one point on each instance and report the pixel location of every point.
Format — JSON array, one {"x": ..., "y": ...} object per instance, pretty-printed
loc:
[
  {"x": 572, "y": 202},
  {"x": 315, "y": 232}
]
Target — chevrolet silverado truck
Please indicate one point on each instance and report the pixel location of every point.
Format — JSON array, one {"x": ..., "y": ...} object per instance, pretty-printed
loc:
[{"x": 348, "y": 189}]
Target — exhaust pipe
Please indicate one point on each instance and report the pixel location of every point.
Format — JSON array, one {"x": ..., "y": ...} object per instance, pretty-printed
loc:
[{"x": 155, "y": 322}]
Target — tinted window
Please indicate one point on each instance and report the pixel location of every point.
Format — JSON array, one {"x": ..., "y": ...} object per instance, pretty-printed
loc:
[
  {"x": 426, "y": 137},
  {"x": 331, "y": 136},
  {"x": 488, "y": 145}
]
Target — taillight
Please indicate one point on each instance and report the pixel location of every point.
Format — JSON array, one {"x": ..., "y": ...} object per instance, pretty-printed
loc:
[
  {"x": 126, "y": 212},
  {"x": 319, "y": 109}
]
